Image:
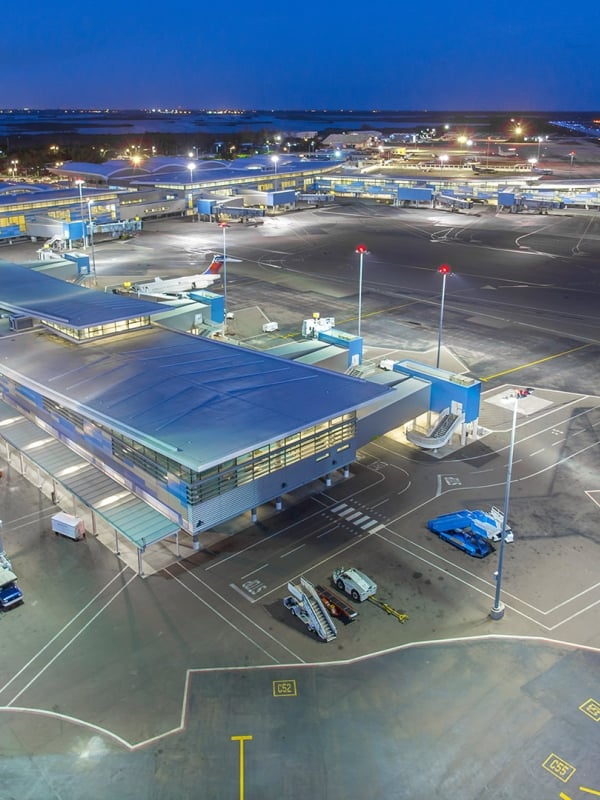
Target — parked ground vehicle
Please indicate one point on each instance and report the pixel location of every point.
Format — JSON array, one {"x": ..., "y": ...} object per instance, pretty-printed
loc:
[
  {"x": 471, "y": 531},
  {"x": 354, "y": 583},
  {"x": 305, "y": 603},
  {"x": 68, "y": 525},
  {"x": 10, "y": 594}
]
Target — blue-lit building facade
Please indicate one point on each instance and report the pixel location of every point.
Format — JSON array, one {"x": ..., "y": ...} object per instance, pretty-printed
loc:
[{"x": 200, "y": 430}]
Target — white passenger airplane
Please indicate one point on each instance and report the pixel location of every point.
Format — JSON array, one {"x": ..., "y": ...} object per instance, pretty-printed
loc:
[
  {"x": 510, "y": 153},
  {"x": 173, "y": 287}
]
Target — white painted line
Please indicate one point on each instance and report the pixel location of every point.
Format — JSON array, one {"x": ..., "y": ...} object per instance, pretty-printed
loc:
[
  {"x": 239, "y": 612},
  {"x": 190, "y": 673},
  {"x": 71, "y": 640},
  {"x": 221, "y": 616},
  {"x": 333, "y": 556},
  {"x": 560, "y": 441},
  {"x": 489, "y": 594},
  {"x": 242, "y": 592},
  {"x": 369, "y": 524},
  {"x": 537, "y": 452},
  {"x": 63, "y": 629},
  {"x": 360, "y": 521},
  {"x": 385, "y": 500},
  {"x": 337, "y": 509},
  {"x": 247, "y": 575},
  {"x": 576, "y": 614},
  {"x": 289, "y": 552},
  {"x": 353, "y": 516},
  {"x": 345, "y": 513},
  {"x": 327, "y": 531},
  {"x": 377, "y": 528}
]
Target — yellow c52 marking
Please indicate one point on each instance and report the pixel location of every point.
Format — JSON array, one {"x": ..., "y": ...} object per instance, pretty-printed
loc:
[{"x": 285, "y": 689}]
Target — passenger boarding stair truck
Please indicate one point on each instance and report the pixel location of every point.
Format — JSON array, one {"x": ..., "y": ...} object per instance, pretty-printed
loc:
[{"x": 305, "y": 603}]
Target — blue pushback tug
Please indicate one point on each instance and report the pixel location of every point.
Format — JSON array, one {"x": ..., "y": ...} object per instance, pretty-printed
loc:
[{"x": 457, "y": 529}]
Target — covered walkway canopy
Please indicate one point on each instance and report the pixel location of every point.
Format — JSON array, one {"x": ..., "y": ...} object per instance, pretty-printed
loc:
[{"x": 63, "y": 473}]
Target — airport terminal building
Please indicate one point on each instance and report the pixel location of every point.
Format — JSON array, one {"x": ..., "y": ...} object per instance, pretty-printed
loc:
[{"x": 197, "y": 431}]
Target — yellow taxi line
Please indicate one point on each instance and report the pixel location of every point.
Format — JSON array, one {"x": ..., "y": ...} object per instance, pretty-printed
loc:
[{"x": 534, "y": 363}]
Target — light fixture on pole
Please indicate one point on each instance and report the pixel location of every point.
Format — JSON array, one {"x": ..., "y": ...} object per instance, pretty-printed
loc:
[
  {"x": 80, "y": 183},
  {"x": 224, "y": 226},
  {"x": 444, "y": 270},
  {"x": 497, "y": 611},
  {"x": 361, "y": 250},
  {"x": 275, "y": 160},
  {"x": 191, "y": 167},
  {"x": 89, "y": 205}
]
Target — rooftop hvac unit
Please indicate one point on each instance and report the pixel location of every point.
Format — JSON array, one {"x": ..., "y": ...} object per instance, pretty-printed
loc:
[{"x": 21, "y": 323}]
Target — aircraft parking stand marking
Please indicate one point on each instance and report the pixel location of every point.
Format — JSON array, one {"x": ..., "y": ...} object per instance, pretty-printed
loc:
[
  {"x": 591, "y": 708},
  {"x": 559, "y": 768},
  {"x": 285, "y": 688}
]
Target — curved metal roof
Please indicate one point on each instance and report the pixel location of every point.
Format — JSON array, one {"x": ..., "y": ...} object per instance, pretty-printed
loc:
[
  {"x": 195, "y": 400},
  {"x": 32, "y": 293}
]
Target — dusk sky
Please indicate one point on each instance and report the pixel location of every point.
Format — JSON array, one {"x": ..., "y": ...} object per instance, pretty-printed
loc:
[{"x": 427, "y": 55}]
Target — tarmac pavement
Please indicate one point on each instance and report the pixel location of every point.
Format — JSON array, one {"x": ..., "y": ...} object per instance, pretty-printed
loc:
[{"x": 114, "y": 684}]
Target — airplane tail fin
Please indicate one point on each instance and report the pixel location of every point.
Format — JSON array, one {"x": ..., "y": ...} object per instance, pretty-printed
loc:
[{"x": 215, "y": 266}]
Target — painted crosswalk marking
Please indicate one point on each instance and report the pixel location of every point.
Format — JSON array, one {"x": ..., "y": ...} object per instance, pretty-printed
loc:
[{"x": 357, "y": 518}]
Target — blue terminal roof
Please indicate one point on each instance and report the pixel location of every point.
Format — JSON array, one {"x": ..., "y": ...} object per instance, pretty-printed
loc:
[
  {"x": 13, "y": 188},
  {"x": 26, "y": 291},
  {"x": 163, "y": 169},
  {"x": 50, "y": 194},
  {"x": 198, "y": 401}
]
